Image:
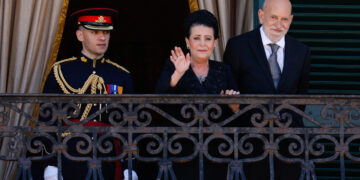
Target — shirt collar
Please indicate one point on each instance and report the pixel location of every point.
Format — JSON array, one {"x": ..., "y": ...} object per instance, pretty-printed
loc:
[
  {"x": 266, "y": 40},
  {"x": 89, "y": 57},
  {"x": 84, "y": 58}
]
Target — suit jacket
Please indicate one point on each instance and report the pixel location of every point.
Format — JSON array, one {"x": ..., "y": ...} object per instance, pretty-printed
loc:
[{"x": 246, "y": 56}]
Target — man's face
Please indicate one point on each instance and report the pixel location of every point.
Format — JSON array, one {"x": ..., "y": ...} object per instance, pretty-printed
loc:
[
  {"x": 276, "y": 19},
  {"x": 94, "y": 42}
]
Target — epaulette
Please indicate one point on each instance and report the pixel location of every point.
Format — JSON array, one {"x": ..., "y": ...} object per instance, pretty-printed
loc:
[
  {"x": 117, "y": 65},
  {"x": 64, "y": 60}
]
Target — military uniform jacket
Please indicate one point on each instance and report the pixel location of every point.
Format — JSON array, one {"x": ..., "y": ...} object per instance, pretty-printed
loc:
[
  {"x": 77, "y": 70},
  {"x": 82, "y": 75}
]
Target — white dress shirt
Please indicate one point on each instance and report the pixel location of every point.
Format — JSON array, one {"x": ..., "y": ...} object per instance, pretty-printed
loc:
[{"x": 280, "y": 52}]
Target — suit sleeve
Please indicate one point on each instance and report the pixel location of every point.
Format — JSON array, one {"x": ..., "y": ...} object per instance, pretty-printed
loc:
[
  {"x": 230, "y": 79},
  {"x": 231, "y": 59},
  {"x": 305, "y": 73}
]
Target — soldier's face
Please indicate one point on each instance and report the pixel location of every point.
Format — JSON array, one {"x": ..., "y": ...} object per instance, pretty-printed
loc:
[{"x": 94, "y": 42}]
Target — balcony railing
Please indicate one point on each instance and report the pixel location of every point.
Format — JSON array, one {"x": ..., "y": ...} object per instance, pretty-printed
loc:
[{"x": 173, "y": 129}]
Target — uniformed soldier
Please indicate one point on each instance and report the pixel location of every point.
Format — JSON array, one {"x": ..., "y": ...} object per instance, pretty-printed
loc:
[
  {"x": 89, "y": 72},
  {"x": 77, "y": 75}
]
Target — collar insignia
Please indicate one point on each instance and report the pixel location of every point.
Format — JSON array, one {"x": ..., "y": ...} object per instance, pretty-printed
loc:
[{"x": 83, "y": 59}]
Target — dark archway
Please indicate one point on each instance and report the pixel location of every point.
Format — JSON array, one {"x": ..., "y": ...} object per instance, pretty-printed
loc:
[{"x": 145, "y": 32}]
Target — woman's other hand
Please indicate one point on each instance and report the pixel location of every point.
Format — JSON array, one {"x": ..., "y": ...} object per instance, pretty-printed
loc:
[{"x": 234, "y": 107}]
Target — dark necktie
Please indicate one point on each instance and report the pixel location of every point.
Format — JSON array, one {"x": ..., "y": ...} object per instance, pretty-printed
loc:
[{"x": 274, "y": 66}]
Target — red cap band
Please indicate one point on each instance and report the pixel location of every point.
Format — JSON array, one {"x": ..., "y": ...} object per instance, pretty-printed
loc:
[{"x": 96, "y": 19}]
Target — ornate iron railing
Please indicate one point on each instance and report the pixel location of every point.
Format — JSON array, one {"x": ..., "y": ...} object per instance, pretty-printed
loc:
[{"x": 172, "y": 129}]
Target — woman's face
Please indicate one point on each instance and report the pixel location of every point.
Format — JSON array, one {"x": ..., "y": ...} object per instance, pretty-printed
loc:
[{"x": 201, "y": 42}]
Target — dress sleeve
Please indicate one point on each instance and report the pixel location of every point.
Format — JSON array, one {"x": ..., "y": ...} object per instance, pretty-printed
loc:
[{"x": 163, "y": 84}]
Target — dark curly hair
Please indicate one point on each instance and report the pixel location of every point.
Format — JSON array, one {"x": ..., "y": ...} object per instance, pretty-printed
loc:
[{"x": 201, "y": 17}]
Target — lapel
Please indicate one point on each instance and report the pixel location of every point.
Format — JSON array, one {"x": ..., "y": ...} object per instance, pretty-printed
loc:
[
  {"x": 289, "y": 63},
  {"x": 259, "y": 51}
]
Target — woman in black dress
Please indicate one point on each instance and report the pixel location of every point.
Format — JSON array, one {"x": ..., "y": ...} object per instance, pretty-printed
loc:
[{"x": 194, "y": 73}]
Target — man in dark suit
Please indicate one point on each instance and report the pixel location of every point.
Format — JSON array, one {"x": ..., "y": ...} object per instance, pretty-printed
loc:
[{"x": 267, "y": 61}]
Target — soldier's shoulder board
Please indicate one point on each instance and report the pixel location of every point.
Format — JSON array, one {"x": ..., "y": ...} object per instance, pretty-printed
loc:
[
  {"x": 64, "y": 60},
  {"x": 116, "y": 65}
]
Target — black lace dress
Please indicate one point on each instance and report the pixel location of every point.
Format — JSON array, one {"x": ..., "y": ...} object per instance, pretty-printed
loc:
[{"x": 219, "y": 78}]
